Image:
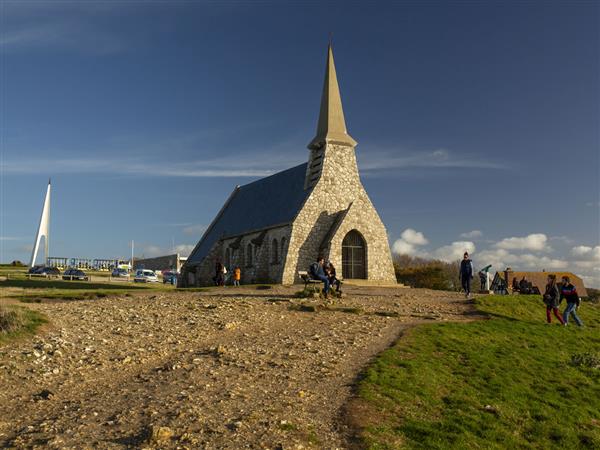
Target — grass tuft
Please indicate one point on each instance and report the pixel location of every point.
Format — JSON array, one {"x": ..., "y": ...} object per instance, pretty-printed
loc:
[{"x": 16, "y": 322}]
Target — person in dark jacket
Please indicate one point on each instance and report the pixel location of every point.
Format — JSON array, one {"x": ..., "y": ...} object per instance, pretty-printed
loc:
[
  {"x": 482, "y": 280},
  {"x": 219, "y": 273},
  {"x": 524, "y": 286},
  {"x": 318, "y": 273},
  {"x": 466, "y": 274},
  {"x": 515, "y": 285},
  {"x": 331, "y": 274},
  {"x": 552, "y": 299},
  {"x": 569, "y": 293}
]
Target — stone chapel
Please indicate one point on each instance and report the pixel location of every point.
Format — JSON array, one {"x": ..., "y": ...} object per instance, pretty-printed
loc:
[{"x": 278, "y": 225}]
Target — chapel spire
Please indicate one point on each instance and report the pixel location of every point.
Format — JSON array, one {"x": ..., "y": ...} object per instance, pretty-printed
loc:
[{"x": 331, "y": 126}]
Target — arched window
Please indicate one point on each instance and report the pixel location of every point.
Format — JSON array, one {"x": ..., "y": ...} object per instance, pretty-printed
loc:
[
  {"x": 249, "y": 255},
  {"x": 275, "y": 252},
  {"x": 354, "y": 256}
]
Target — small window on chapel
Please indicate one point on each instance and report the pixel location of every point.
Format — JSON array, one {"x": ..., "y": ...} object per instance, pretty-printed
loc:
[
  {"x": 282, "y": 247},
  {"x": 249, "y": 255},
  {"x": 275, "y": 252}
]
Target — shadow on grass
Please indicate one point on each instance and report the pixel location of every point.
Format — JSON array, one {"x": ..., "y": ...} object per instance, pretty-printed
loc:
[{"x": 64, "y": 284}]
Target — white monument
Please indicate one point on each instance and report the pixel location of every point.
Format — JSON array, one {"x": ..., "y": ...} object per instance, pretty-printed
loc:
[{"x": 43, "y": 230}]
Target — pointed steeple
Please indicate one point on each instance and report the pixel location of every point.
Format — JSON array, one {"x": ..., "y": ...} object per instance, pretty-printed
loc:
[{"x": 331, "y": 126}]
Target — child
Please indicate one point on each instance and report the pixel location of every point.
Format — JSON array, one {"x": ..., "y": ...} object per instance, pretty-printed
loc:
[
  {"x": 237, "y": 274},
  {"x": 568, "y": 292},
  {"x": 552, "y": 299}
]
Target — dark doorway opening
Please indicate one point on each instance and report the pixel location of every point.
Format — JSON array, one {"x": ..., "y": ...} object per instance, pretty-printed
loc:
[{"x": 353, "y": 256}]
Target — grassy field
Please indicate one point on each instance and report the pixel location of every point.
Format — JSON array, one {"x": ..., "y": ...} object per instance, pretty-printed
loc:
[
  {"x": 32, "y": 290},
  {"x": 508, "y": 382}
]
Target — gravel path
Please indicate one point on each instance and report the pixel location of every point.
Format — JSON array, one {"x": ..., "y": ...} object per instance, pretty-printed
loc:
[{"x": 225, "y": 369}]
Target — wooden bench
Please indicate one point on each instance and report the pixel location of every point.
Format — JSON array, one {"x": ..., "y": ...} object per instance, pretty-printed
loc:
[{"x": 303, "y": 274}]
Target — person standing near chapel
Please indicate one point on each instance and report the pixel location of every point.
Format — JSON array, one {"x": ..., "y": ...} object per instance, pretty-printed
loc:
[
  {"x": 466, "y": 274},
  {"x": 237, "y": 274},
  {"x": 569, "y": 293}
]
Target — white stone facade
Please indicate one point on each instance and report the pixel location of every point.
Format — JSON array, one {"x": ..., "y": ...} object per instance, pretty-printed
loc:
[{"x": 337, "y": 190}]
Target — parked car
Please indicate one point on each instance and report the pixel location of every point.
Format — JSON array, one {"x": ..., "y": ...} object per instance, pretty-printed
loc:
[
  {"x": 35, "y": 269},
  {"x": 145, "y": 276},
  {"x": 48, "y": 271},
  {"x": 75, "y": 274},
  {"x": 169, "y": 277},
  {"x": 119, "y": 273}
]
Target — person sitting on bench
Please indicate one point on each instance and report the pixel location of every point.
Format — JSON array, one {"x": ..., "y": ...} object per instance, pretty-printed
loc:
[
  {"x": 318, "y": 273},
  {"x": 333, "y": 281}
]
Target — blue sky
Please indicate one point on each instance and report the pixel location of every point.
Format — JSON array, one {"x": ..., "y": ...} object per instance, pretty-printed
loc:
[{"x": 477, "y": 123}]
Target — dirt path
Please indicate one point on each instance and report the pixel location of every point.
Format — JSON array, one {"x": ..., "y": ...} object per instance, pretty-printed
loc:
[{"x": 229, "y": 369}]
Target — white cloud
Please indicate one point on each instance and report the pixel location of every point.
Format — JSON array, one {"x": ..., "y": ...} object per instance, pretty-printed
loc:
[
  {"x": 583, "y": 251},
  {"x": 150, "y": 250},
  {"x": 403, "y": 248},
  {"x": 535, "y": 242},
  {"x": 409, "y": 241},
  {"x": 184, "y": 249},
  {"x": 414, "y": 237},
  {"x": 500, "y": 259},
  {"x": 195, "y": 230},
  {"x": 454, "y": 251},
  {"x": 133, "y": 166},
  {"x": 472, "y": 234},
  {"x": 439, "y": 158}
]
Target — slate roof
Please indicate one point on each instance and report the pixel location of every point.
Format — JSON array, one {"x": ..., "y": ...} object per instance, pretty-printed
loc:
[{"x": 270, "y": 201}]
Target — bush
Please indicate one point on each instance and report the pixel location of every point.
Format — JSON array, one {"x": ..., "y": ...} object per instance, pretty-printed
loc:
[
  {"x": 423, "y": 273},
  {"x": 17, "y": 263}
]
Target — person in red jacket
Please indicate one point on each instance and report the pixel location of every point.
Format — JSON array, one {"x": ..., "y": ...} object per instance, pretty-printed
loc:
[
  {"x": 569, "y": 293},
  {"x": 552, "y": 299}
]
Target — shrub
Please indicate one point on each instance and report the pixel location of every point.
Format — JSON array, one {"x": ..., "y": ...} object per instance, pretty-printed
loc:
[{"x": 423, "y": 273}]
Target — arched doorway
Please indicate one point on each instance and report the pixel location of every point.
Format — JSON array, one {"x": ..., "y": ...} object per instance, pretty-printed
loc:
[{"x": 353, "y": 256}]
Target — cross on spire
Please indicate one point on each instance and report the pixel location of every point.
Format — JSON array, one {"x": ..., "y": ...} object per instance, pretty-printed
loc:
[{"x": 331, "y": 126}]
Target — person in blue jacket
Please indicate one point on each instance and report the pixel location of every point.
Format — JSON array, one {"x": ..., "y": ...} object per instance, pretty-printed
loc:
[
  {"x": 569, "y": 293},
  {"x": 318, "y": 273},
  {"x": 466, "y": 274}
]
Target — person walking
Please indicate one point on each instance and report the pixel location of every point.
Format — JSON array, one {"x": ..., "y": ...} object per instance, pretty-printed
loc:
[
  {"x": 569, "y": 293},
  {"x": 237, "y": 274},
  {"x": 466, "y": 274},
  {"x": 318, "y": 273},
  {"x": 552, "y": 299}
]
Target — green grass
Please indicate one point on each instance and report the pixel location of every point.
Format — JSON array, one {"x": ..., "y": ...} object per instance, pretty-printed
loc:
[
  {"x": 34, "y": 290},
  {"x": 45, "y": 283},
  {"x": 17, "y": 322},
  {"x": 508, "y": 382}
]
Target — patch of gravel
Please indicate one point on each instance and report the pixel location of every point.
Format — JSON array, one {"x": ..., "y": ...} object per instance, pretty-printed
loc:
[{"x": 225, "y": 369}]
